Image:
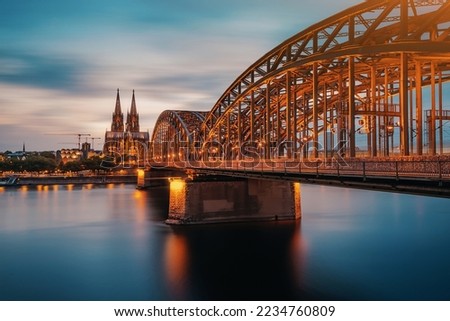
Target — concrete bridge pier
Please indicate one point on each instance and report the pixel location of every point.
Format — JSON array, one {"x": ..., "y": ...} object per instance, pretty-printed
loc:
[
  {"x": 218, "y": 199},
  {"x": 153, "y": 178}
]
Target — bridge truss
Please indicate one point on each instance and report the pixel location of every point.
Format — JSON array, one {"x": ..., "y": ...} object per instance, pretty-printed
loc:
[{"x": 368, "y": 81}]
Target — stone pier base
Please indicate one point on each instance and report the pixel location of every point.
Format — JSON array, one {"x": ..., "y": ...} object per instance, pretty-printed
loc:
[{"x": 240, "y": 200}]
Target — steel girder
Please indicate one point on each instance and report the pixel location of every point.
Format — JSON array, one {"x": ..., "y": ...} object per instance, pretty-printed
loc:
[
  {"x": 352, "y": 73},
  {"x": 174, "y": 131},
  {"x": 350, "y": 83}
]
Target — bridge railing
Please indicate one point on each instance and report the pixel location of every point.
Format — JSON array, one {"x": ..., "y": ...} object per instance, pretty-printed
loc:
[{"x": 436, "y": 169}]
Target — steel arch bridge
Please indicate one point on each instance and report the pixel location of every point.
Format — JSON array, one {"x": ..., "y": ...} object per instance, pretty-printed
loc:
[{"x": 368, "y": 81}]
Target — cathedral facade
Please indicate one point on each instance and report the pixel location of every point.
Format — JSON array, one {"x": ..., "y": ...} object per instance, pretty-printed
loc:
[{"x": 125, "y": 140}]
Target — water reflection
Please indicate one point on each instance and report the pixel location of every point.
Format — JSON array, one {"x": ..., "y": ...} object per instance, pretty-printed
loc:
[
  {"x": 176, "y": 256},
  {"x": 235, "y": 262},
  {"x": 298, "y": 250},
  {"x": 88, "y": 186},
  {"x": 99, "y": 243}
]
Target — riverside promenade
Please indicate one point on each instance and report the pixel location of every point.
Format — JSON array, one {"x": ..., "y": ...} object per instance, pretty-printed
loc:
[{"x": 63, "y": 180}]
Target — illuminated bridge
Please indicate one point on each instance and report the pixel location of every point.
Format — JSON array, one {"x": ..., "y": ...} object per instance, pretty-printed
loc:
[{"x": 359, "y": 97}]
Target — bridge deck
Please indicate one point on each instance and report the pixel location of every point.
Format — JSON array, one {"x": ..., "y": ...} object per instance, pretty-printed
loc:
[{"x": 416, "y": 176}]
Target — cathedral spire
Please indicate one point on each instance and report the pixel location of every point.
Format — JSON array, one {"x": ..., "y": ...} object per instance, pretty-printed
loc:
[
  {"x": 118, "y": 110},
  {"x": 133, "y": 105},
  {"x": 133, "y": 117},
  {"x": 117, "y": 117}
]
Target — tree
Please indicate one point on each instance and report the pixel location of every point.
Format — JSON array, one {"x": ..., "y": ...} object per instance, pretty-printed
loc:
[
  {"x": 38, "y": 164},
  {"x": 93, "y": 163},
  {"x": 5, "y": 165},
  {"x": 47, "y": 154},
  {"x": 74, "y": 166}
]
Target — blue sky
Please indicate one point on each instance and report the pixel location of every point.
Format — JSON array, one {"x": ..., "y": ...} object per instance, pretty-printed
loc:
[{"x": 61, "y": 62}]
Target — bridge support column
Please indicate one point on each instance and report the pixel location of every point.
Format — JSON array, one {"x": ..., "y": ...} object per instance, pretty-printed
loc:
[
  {"x": 404, "y": 105},
  {"x": 351, "y": 106},
  {"x": 315, "y": 108},
  {"x": 373, "y": 107},
  {"x": 432, "y": 120},
  {"x": 419, "y": 109},
  {"x": 289, "y": 116},
  {"x": 214, "y": 200}
]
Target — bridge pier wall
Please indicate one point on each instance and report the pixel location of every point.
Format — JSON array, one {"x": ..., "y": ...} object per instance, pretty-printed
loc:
[
  {"x": 155, "y": 177},
  {"x": 237, "y": 200}
]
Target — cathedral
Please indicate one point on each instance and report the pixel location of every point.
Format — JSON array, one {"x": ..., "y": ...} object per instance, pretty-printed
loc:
[{"x": 126, "y": 140}]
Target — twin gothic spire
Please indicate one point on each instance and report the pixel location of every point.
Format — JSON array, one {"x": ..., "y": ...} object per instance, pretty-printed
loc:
[{"x": 132, "y": 124}]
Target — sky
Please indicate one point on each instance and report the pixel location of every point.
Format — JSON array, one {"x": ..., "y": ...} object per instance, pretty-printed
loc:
[{"x": 61, "y": 62}]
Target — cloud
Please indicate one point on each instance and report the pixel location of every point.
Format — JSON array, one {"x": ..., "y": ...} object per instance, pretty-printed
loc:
[{"x": 39, "y": 71}]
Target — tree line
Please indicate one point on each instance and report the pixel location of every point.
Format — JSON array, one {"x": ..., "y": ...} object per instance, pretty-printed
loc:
[{"x": 39, "y": 163}]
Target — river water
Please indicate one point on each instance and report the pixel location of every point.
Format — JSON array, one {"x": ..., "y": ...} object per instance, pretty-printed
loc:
[{"x": 110, "y": 243}]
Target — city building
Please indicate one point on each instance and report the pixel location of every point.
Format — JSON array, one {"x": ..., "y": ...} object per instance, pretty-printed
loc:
[
  {"x": 125, "y": 140},
  {"x": 19, "y": 155},
  {"x": 67, "y": 155}
]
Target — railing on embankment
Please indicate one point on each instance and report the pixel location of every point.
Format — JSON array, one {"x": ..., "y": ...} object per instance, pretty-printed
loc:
[{"x": 63, "y": 180}]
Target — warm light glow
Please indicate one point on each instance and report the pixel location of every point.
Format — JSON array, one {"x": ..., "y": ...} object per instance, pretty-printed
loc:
[
  {"x": 141, "y": 173},
  {"x": 70, "y": 187},
  {"x": 177, "y": 184},
  {"x": 297, "y": 200},
  {"x": 140, "y": 202},
  {"x": 137, "y": 195},
  {"x": 42, "y": 188},
  {"x": 177, "y": 260},
  {"x": 177, "y": 199},
  {"x": 298, "y": 251}
]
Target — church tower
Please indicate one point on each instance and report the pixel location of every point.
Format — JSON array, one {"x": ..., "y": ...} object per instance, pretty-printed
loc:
[
  {"x": 133, "y": 117},
  {"x": 126, "y": 141},
  {"x": 117, "y": 117}
]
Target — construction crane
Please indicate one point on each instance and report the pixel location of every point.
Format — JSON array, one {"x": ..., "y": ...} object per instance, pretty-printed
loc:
[{"x": 79, "y": 137}]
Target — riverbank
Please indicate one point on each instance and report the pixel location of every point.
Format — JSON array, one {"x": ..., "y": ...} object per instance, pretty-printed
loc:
[{"x": 64, "y": 180}]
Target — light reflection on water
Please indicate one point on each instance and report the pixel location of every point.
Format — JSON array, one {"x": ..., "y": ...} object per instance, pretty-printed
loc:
[
  {"x": 176, "y": 264},
  {"x": 87, "y": 242}
]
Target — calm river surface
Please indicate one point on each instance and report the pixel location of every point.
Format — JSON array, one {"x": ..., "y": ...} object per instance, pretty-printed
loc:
[{"x": 110, "y": 243}]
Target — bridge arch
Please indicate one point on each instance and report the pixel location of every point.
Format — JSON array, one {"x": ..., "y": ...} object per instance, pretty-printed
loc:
[
  {"x": 175, "y": 134},
  {"x": 360, "y": 83}
]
